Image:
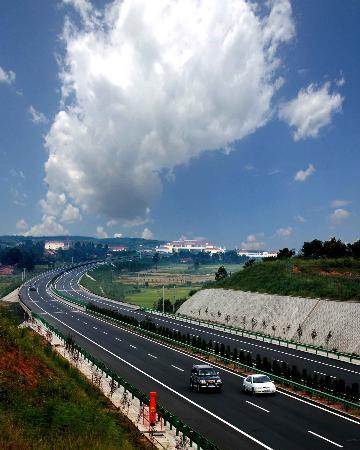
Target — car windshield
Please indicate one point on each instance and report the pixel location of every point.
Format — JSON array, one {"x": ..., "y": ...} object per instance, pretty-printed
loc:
[
  {"x": 262, "y": 379},
  {"x": 208, "y": 372}
]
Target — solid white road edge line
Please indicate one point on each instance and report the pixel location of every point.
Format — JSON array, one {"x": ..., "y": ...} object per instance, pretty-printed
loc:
[
  {"x": 349, "y": 419},
  {"x": 325, "y": 439},
  {"x": 257, "y": 406},
  {"x": 230, "y": 425}
]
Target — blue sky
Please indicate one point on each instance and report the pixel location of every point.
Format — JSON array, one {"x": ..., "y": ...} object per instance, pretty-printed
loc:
[{"x": 248, "y": 138}]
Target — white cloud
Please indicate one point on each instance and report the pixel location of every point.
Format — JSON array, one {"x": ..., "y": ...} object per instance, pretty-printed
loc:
[
  {"x": 301, "y": 175},
  {"x": 71, "y": 214},
  {"x": 340, "y": 203},
  {"x": 18, "y": 196},
  {"x": 339, "y": 216},
  {"x": 252, "y": 242},
  {"x": 147, "y": 234},
  {"x": 48, "y": 227},
  {"x": 340, "y": 82},
  {"x": 117, "y": 235},
  {"x": 147, "y": 86},
  {"x": 300, "y": 219},
  {"x": 21, "y": 225},
  {"x": 274, "y": 172},
  {"x": 37, "y": 116},
  {"x": 311, "y": 110},
  {"x": 249, "y": 167},
  {"x": 284, "y": 232},
  {"x": 7, "y": 77},
  {"x": 101, "y": 233}
]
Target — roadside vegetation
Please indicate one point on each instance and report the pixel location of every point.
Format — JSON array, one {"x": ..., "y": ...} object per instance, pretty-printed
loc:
[
  {"x": 329, "y": 269},
  {"x": 8, "y": 284},
  {"x": 45, "y": 403}
]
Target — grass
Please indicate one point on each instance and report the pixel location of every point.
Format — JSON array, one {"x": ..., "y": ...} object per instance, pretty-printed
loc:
[
  {"x": 202, "y": 270},
  {"x": 105, "y": 285},
  {"x": 150, "y": 295},
  {"x": 47, "y": 404},
  {"x": 336, "y": 279},
  {"x": 8, "y": 284}
]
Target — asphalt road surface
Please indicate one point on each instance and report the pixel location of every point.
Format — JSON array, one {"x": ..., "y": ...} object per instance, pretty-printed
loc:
[{"x": 231, "y": 419}]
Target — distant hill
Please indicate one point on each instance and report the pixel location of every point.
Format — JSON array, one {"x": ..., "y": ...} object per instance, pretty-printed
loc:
[
  {"x": 337, "y": 279},
  {"x": 131, "y": 243}
]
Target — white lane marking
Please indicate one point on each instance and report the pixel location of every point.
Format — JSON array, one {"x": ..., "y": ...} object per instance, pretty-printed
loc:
[
  {"x": 58, "y": 312},
  {"x": 324, "y": 374},
  {"x": 85, "y": 323},
  {"x": 133, "y": 346},
  {"x": 325, "y": 439},
  {"x": 349, "y": 419},
  {"x": 257, "y": 406},
  {"x": 95, "y": 328},
  {"x": 104, "y": 332},
  {"x": 118, "y": 339},
  {"x": 166, "y": 386},
  {"x": 152, "y": 356},
  {"x": 178, "y": 368}
]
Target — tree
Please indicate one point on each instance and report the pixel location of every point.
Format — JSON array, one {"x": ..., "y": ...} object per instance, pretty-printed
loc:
[
  {"x": 221, "y": 274},
  {"x": 249, "y": 263},
  {"x": 335, "y": 248},
  {"x": 156, "y": 258},
  {"x": 285, "y": 253},
  {"x": 313, "y": 249},
  {"x": 354, "y": 249}
]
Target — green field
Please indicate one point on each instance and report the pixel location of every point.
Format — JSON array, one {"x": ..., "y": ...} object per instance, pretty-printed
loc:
[
  {"x": 202, "y": 270},
  {"x": 148, "y": 296},
  {"x": 46, "y": 403},
  {"x": 337, "y": 279}
]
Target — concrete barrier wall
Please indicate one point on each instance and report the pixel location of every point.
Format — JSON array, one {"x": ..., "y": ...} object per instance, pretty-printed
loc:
[{"x": 281, "y": 316}]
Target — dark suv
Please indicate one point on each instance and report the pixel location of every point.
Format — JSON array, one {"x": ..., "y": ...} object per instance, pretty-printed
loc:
[{"x": 205, "y": 377}]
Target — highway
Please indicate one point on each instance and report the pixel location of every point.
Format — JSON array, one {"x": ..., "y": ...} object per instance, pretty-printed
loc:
[
  {"x": 230, "y": 419},
  {"x": 314, "y": 364}
]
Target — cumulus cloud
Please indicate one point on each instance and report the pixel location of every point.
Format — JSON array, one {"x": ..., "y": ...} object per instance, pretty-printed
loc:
[
  {"x": 101, "y": 233},
  {"x": 48, "y": 227},
  {"x": 117, "y": 235},
  {"x": 147, "y": 234},
  {"x": 21, "y": 225},
  {"x": 7, "y": 77},
  {"x": 284, "y": 232},
  {"x": 302, "y": 175},
  {"x": 339, "y": 216},
  {"x": 70, "y": 214},
  {"x": 147, "y": 86},
  {"x": 311, "y": 110},
  {"x": 37, "y": 117},
  {"x": 340, "y": 203},
  {"x": 252, "y": 242}
]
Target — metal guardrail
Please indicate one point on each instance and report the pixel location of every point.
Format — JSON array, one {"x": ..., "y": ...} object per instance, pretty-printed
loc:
[
  {"x": 174, "y": 421},
  {"x": 271, "y": 339}
]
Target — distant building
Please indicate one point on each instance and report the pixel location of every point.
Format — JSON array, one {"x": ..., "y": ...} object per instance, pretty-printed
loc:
[
  {"x": 192, "y": 246},
  {"x": 56, "y": 245},
  {"x": 256, "y": 254},
  {"x": 117, "y": 248}
]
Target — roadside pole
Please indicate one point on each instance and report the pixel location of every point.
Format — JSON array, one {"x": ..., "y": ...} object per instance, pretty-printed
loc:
[{"x": 163, "y": 299}]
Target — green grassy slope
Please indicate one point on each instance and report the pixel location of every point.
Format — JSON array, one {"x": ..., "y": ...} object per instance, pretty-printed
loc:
[
  {"x": 47, "y": 404},
  {"x": 337, "y": 279}
]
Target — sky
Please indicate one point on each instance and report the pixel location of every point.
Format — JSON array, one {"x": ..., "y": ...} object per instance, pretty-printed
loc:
[{"x": 234, "y": 122}]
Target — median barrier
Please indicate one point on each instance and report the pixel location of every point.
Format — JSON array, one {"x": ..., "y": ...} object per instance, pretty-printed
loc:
[
  {"x": 236, "y": 364},
  {"x": 318, "y": 350}
]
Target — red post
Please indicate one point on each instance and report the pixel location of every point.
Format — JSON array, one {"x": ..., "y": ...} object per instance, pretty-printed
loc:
[{"x": 152, "y": 409}]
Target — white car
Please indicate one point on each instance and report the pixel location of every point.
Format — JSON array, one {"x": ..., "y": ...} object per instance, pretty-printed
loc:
[{"x": 258, "y": 384}]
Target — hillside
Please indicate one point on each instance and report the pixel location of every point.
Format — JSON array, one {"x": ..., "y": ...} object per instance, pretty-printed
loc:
[
  {"x": 336, "y": 279},
  {"x": 45, "y": 403}
]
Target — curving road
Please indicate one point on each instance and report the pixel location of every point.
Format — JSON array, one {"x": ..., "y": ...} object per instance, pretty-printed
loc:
[{"x": 230, "y": 419}]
